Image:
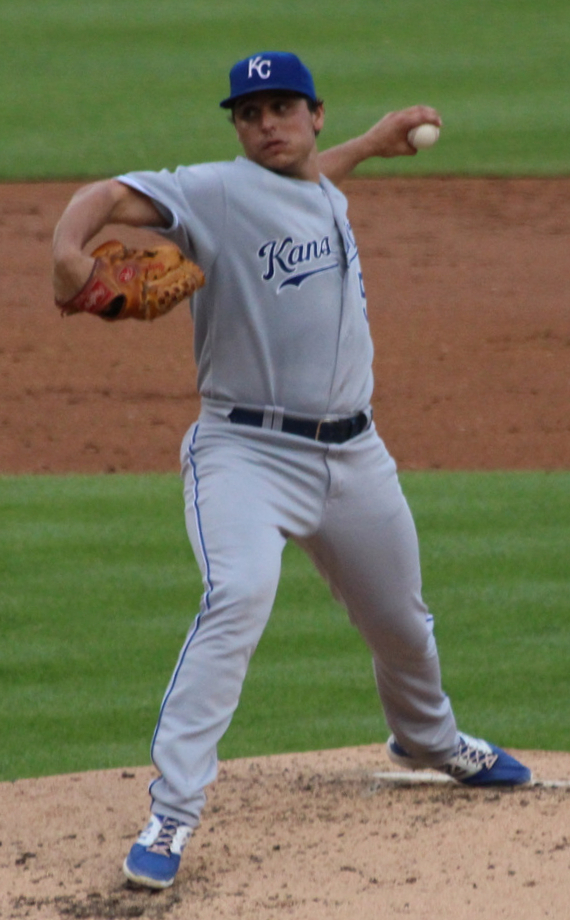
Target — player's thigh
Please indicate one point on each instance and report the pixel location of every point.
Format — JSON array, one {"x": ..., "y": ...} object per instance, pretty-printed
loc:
[
  {"x": 233, "y": 528},
  {"x": 367, "y": 549}
]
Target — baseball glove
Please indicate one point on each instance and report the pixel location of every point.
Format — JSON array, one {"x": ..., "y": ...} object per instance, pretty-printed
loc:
[{"x": 135, "y": 283}]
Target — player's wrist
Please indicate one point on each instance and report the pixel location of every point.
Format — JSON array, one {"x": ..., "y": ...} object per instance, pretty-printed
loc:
[
  {"x": 376, "y": 143},
  {"x": 71, "y": 272}
]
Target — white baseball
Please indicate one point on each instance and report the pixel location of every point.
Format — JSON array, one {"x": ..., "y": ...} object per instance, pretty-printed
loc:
[{"x": 423, "y": 136}]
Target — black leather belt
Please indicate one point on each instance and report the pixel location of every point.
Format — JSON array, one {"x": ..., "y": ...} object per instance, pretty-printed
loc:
[{"x": 325, "y": 430}]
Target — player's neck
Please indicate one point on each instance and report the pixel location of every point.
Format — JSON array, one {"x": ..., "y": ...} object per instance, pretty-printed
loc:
[{"x": 306, "y": 171}]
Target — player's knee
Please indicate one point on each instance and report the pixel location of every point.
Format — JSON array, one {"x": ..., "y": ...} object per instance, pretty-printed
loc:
[
  {"x": 245, "y": 601},
  {"x": 403, "y": 637}
]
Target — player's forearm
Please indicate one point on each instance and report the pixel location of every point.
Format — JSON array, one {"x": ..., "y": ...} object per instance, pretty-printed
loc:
[
  {"x": 338, "y": 162},
  {"x": 92, "y": 208},
  {"x": 387, "y": 138},
  {"x": 87, "y": 213}
]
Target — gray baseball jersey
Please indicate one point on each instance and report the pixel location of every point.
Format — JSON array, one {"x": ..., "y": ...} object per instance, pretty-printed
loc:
[
  {"x": 282, "y": 319},
  {"x": 281, "y": 326}
]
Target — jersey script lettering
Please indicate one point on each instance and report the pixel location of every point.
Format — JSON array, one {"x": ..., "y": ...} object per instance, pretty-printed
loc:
[{"x": 287, "y": 256}]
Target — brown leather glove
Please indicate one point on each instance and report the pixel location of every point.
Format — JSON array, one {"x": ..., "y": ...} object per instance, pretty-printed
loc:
[{"x": 135, "y": 283}]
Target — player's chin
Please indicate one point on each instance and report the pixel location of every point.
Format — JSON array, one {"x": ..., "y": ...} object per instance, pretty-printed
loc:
[{"x": 276, "y": 158}]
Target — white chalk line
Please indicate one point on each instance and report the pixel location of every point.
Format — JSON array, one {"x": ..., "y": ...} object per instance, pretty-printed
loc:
[{"x": 419, "y": 777}]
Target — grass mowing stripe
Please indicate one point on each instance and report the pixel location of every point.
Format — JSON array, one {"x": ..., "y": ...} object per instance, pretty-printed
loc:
[
  {"x": 99, "y": 588},
  {"x": 95, "y": 579},
  {"x": 495, "y": 564},
  {"x": 127, "y": 84}
]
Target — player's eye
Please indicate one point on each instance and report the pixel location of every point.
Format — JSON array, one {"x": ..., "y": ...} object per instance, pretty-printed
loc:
[
  {"x": 281, "y": 106},
  {"x": 248, "y": 113}
]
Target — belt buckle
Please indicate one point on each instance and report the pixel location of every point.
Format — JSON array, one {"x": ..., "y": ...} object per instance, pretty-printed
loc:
[{"x": 323, "y": 421}]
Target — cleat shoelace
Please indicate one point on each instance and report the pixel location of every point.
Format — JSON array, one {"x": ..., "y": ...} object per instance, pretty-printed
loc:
[
  {"x": 474, "y": 759},
  {"x": 163, "y": 842}
]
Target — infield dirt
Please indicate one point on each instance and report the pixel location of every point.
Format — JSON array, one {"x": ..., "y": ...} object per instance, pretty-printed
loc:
[{"x": 467, "y": 288}]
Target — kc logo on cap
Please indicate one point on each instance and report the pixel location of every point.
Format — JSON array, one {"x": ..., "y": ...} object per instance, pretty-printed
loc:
[
  {"x": 261, "y": 66},
  {"x": 276, "y": 70}
]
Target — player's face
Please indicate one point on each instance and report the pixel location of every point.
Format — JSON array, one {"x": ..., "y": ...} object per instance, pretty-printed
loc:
[{"x": 278, "y": 131}]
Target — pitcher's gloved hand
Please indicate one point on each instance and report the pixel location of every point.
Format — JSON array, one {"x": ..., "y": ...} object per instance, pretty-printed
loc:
[{"x": 135, "y": 283}]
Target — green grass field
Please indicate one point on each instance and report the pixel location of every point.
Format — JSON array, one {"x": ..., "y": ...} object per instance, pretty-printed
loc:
[
  {"x": 99, "y": 588},
  {"x": 102, "y": 87},
  {"x": 97, "y": 582}
]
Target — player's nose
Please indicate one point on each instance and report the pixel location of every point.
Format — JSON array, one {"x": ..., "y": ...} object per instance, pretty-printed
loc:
[{"x": 266, "y": 119}]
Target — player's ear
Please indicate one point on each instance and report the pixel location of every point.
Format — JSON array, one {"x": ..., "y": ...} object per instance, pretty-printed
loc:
[{"x": 318, "y": 117}]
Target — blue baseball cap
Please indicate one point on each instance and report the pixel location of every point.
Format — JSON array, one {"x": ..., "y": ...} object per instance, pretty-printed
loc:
[{"x": 269, "y": 70}]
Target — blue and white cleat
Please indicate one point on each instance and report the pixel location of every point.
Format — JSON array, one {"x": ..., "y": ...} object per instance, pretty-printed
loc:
[
  {"x": 474, "y": 763},
  {"x": 154, "y": 859}
]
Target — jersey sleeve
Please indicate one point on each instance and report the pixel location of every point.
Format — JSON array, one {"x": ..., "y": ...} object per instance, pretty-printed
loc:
[{"x": 192, "y": 201}]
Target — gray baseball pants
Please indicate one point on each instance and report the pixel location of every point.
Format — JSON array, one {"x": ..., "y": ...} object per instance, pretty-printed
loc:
[{"x": 247, "y": 491}]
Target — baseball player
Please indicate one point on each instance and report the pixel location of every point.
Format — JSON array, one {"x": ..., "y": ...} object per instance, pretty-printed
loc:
[{"x": 285, "y": 446}]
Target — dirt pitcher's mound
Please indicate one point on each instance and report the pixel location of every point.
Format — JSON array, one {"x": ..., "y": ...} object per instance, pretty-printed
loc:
[{"x": 316, "y": 836}]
